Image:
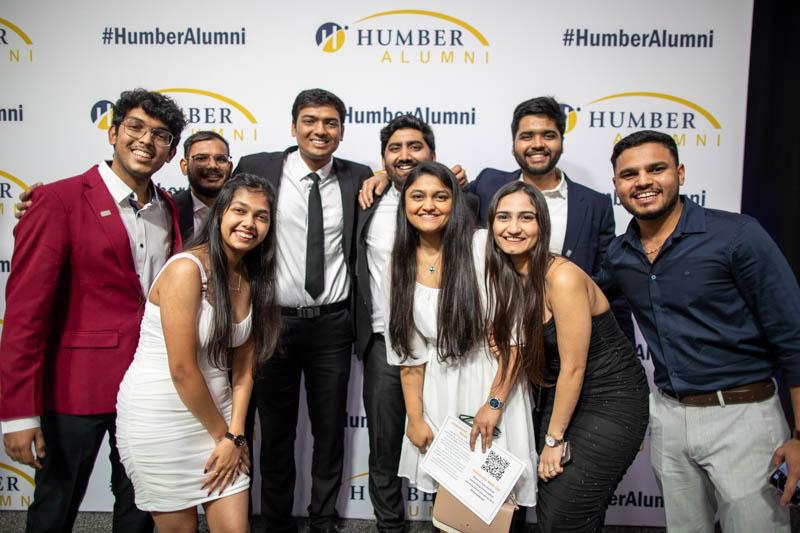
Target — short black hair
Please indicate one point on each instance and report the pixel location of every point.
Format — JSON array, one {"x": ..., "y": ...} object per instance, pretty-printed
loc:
[
  {"x": 407, "y": 121},
  {"x": 317, "y": 98},
  {"x": 154, "y": 104},
  {"x": 203, "y": 135},
  {"x": 541, "y": 105},
  {"x": 639, "y": 138}
]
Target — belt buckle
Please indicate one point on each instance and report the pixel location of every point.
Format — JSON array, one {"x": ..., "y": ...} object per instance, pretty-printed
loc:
[{"x": 308, "y": 312}]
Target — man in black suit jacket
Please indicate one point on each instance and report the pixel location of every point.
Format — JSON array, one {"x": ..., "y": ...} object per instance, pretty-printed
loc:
[
  {"x": 207, "y": 165},
  {"x": 315, "y": 223},
  {"x": 582, "y": 219}
]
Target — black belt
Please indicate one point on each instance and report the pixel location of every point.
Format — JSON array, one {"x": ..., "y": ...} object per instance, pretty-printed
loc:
[
  {"x": 314, "y": 312},
  {"x": 750, "y": 393}
]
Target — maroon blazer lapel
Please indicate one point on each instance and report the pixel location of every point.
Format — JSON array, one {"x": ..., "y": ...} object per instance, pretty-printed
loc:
[{"x": 107, "y": 214}]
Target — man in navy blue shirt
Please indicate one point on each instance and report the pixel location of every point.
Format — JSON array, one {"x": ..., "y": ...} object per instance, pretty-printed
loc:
[{"x": 719, "y": 308}]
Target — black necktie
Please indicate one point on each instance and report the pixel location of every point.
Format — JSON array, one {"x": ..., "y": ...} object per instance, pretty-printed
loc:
[{"x": 315, "y": 241}]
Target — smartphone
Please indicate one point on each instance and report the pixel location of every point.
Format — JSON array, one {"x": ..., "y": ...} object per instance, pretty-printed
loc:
[
  {"x": 566, "y": 455},
  {"x": 778, "y": 480}
]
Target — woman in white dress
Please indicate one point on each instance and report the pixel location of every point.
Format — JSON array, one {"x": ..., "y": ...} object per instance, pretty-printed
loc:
[
  {"x": 180, "y": 421},
  {"x": 434, "y": 304}
]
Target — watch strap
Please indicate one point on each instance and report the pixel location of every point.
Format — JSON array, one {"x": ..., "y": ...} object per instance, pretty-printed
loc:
[
  {"x": 238, "y": 440},
  {"x": 548, "y": 438}
]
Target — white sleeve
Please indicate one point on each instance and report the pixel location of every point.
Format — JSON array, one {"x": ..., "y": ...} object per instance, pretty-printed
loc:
[{"x": 20, "y": 424}]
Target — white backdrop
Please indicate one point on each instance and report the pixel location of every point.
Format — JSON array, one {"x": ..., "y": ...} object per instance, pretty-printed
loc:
[{"x": 618, "y": 66}]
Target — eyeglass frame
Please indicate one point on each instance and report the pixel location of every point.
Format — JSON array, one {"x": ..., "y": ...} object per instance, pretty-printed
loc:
[
  {"x": 154, "y": 132},
  {"x": 194, "y": 159}
]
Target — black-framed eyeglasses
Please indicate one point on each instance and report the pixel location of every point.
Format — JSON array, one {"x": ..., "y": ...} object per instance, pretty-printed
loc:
[
  {"x": 137, "y": 129},
  {"x": 205, "y": 159},
  {"x": 468, "y": 420}
]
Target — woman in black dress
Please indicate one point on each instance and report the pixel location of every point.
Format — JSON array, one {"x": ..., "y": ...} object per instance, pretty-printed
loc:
[{"x": 594, "y": 392}]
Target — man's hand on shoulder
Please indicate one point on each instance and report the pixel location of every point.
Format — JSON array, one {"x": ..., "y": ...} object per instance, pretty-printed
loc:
[
  {"x": 19, "y": 446},
  {"x": 25, "y": 200},
  {"x": 371, "y": 187},
  {"x": 789, "y": 453},
  {"x": 461, "y": 176}
]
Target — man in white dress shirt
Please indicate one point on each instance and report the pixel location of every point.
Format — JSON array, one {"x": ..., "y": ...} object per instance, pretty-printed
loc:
[{"x": 315, "y": 222}]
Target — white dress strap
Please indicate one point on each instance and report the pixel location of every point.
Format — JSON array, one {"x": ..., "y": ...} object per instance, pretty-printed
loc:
[{"x": 195, "y": 260}]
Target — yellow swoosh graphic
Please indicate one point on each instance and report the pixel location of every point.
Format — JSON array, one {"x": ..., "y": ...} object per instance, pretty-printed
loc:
[
  {"x": 18, "y": 472},
  {"x": 364, "y": 474},
  {"x": 216, "y": 96},
  {"x": 16, "y": 29},
  {"x": 15, "y": 180},
  {"x": 458, "y": 22},
  {"x": 714, "y": 122}
]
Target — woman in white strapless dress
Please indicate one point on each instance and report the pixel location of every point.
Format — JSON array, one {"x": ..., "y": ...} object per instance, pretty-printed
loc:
[
  {"x": 436, "y": 333},
  {"x": 179, "y": 420}
]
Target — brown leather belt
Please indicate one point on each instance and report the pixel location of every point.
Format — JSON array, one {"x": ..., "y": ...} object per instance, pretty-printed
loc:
[{"x": 752, "y": 392}]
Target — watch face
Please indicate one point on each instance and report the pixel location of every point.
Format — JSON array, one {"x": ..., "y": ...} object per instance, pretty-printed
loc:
[
  {"x": 550, "y": 440},
  {"x": 239, "y": 440},
  {"x": 494, "y": 403}
]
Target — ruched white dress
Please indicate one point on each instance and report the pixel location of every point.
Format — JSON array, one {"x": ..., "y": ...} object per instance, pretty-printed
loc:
[
  {"x": 163, "y": 447},
  {"x": 462, "y": 387}
]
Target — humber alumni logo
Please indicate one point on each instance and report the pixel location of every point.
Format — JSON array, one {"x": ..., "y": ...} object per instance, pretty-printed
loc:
[
  {"x": 688, "y": 122},
  {"x": 405, "y": 36},
  {"x": 16, "y": 488},
  {"x": 205, "y": 110},
  {"x": 15, "y": 44}
]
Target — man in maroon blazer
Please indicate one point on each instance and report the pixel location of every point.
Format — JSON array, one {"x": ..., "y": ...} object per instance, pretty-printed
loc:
[{"x": 85, "y": 254}]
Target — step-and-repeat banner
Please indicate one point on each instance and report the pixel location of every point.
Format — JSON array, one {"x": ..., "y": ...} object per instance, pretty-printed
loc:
[{"x": 617, "y": 66}]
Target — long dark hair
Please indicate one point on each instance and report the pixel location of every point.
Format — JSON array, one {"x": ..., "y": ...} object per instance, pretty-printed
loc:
[
  {"x": 459, "y": 319},
  {"x": 515, "y": 307},
  {"x": 259, "y": 267}
]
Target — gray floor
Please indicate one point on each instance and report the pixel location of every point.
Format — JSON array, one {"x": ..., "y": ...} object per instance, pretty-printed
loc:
[{"x": 14, "y": 521}]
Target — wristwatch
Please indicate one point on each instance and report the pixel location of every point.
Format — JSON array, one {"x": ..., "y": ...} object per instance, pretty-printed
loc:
[
  {"x": 551, "y": 441},
  {"x": 495, "y": 403},
  {"x": 238, "y": 440}
]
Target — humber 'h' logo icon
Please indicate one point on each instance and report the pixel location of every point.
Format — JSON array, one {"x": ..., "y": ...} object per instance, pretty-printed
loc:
[{"x": 330, "y": 36}]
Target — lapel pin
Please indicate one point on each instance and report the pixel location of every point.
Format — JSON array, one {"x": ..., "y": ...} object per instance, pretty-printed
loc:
[{"x": 105, "y": 213}]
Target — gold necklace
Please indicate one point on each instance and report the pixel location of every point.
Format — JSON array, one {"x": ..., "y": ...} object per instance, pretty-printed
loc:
[{"x": 238, "y": 287}]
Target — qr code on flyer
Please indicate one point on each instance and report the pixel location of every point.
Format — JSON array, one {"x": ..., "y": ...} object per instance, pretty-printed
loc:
[{"x": 494, "y": 465}]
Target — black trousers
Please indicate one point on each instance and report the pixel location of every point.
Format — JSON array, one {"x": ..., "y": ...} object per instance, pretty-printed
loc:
[
  {"x": 319, "y": 349},
  {"x": 71, "y": 447},
  {"x": 386, "y": 416}
]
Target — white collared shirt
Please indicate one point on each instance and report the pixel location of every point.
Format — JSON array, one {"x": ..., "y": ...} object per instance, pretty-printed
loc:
[
  {"x": 556, "y": 199},
  {"x": 201, "y": 212},
  {"x": 380, "y": 240},
  {"x": 291, "y": 228},
  {"x": 149, "y": 228},
  {"x": 149, "y": 232}
]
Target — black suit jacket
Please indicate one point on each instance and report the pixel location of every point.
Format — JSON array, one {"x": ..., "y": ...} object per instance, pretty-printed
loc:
[
  {"x": 590, "y": 227},
  {"x": 350, "y": 176},
  {"x": 363, "y": 307},
  {"x": 185, "y": 204}
]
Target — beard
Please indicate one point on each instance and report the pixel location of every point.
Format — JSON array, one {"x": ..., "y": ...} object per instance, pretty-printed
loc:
[
  {"x": 540, "y": 170},
  {"x": 662, "y": 211},
  {"x": 196, "y": 177},
  {"x": 397, "y": 178}
]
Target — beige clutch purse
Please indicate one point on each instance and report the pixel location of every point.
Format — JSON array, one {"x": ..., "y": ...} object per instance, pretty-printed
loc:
[{"x": 452, "y": 516}]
